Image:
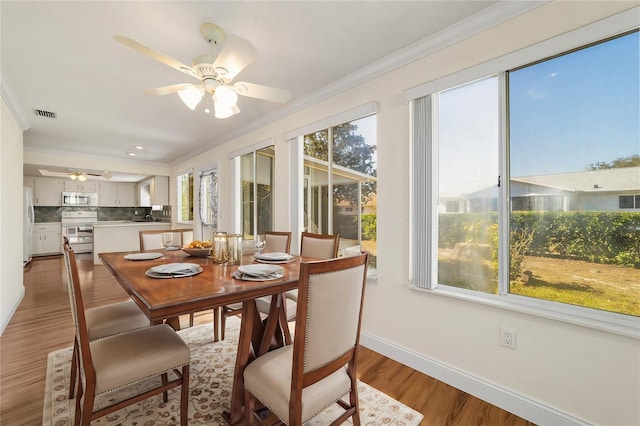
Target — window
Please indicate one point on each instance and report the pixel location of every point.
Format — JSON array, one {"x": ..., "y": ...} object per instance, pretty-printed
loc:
[
  {"x": 184, "y": 206},
  {"x": 629, "y": 202},
  {"x": 340, "y": 184},
  {"x": 209, "y": 194},
  {"x": 255, "y": 205},
  {"x": 528, "y": 167}
]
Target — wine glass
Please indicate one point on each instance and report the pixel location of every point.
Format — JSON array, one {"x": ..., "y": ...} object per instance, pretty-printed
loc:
[
  {"x": 260, "y": 244},
  {"x": 167, "y": 239}
]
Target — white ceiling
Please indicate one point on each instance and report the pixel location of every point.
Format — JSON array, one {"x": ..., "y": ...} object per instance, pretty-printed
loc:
[{"x": 61, "y": 57}]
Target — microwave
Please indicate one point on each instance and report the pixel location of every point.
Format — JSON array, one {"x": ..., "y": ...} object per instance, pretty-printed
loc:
[{"x": 79, "y": 199}]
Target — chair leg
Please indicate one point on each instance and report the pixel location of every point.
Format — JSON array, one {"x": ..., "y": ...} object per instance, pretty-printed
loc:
[
  {"x": 184, "y": 397},
  {"x": 223, "y": 323},
  {"x": 165, "y": 380},
  {"x": 78, "y": 416},
  {"x": 216, "y": 323},
  {"x": 249, "y": 406},
  {"x": 87, "y": 406},
  {"x": 191, "y": 319},
  {"x": 74, "y": 368}
]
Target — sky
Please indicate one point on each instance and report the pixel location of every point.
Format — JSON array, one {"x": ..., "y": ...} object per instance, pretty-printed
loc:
[{"x": 564, "y": 114}]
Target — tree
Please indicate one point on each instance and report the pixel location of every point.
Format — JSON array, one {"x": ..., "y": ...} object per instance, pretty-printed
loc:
[
  {"x": 618, "y": 163},
  {"x": 350, "y": 150}
]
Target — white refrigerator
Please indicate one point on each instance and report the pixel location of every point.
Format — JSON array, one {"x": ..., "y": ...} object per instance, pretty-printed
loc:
[{"x": 29, "y": 216}]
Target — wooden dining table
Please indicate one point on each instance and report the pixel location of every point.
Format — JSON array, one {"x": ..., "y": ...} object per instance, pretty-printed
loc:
[{"x": 215, "y": 286}]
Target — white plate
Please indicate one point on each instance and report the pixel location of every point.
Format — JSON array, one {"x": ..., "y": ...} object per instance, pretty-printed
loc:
[
  {"x": 173, "y": 248},
  {"x": 143, "y": 256},
  {"x": 260, "y": 271},
  {"x": 246, "y": 277},
  {"x": 273, "y": 256},
  {"x": 153, "y": 274}
]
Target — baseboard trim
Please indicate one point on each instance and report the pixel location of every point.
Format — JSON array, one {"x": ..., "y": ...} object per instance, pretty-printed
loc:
[
  {"x": 5, "y": 320},
  {"x": 510, "y": 401}
]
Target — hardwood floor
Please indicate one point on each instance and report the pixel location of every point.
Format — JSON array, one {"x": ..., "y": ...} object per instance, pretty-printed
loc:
[{"x": 43, "y": 324}]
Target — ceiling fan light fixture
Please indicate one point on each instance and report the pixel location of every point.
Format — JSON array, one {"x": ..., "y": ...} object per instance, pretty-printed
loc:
[
  {"x": 82, "y": 178},
  {"x": 225, "y": 112},
  {"x": 73, "y": 176},
  {"x": 225, "y": 97},
  {"x": 191, "y": 96}
]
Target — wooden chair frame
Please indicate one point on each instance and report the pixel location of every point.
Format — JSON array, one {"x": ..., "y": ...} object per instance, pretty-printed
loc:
[
  {"x": 231, "y": 310},
  {"x": 309, "y": 235},
  {"x": 301, "y": 379},
  {"x": 84, "y": 407},
  {"x": 175, "y": 322}
]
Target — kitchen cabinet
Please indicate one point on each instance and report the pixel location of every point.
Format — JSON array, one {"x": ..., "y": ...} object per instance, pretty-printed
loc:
[
  {"x": 154, "y": 192},
  {"x": 117, "y": 194},
  {"x": 47, "y": 192},
  {"x": 77, "y": 186},
  {"x": 46, "y": 238}
]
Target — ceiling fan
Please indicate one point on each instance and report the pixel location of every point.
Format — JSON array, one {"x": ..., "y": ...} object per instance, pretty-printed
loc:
[
  {"x": 82, "y": 176},
  {"x": 215, "y": 72}
]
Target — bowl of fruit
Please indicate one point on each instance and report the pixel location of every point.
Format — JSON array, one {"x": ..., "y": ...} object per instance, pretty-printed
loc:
[{"x": 198, "y": 248}]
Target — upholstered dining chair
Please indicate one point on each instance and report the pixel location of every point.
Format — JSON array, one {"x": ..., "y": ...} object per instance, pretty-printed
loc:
[
  {"x": 152, "y": 240},
  {"x": 124, "y": 359},
  {"x": 103, "y": 321},
  {"x": 275, "y": 241},
  {"x": 317, "y": 246},
  {"x": 298, "y": 381}
]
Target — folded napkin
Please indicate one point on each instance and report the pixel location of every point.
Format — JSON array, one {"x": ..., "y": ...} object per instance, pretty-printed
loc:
[
  {"x": 175, "y": 268},
  {"x": 249, "y": 277}
]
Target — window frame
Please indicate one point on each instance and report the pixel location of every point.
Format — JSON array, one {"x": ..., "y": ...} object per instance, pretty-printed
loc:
[
  {"x": 297, "y": 159},
  {"x": 235, "y": 158},
  {"x": 601, "y": 320},
  {"x": 179, "y": 218}
]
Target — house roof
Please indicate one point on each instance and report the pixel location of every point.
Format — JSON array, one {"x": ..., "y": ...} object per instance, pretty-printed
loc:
[{"x": 604, "y": 180}]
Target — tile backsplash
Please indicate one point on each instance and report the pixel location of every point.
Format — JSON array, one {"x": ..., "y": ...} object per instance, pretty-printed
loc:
[{"x": 54, "y": 214}]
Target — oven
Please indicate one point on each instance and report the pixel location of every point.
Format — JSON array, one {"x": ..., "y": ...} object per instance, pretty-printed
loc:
[{"x": 77, "y": 226}]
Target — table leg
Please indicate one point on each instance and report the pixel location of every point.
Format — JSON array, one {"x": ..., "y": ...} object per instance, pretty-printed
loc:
[{"x": 255, "y": 339}]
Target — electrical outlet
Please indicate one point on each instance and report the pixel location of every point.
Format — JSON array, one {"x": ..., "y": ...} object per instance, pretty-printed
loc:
[{"x": 508, "y": 337}]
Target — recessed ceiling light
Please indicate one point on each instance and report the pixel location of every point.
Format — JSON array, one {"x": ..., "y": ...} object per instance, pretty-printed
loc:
[
  {"x": 132, "y": 154},
  {"x": 139, "y": 147}
]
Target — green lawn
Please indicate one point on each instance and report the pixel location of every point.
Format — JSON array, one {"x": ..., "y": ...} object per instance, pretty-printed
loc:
[{"x": 593, "y": 285}]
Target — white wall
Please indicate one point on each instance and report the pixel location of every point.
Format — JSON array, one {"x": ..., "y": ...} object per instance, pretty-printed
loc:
[
  {"x": 560, "y": 373},
  {"x": 11, "y": 224}
]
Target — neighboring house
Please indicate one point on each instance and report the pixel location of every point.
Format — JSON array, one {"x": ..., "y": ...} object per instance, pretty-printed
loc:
[{"x": 593, "y": 190}]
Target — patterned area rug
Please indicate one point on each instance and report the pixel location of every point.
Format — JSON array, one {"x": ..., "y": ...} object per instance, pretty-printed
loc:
[{"x": 211, "y": 368}]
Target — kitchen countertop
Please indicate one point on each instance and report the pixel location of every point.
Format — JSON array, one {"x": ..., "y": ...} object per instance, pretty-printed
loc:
[{"x": 119, "y": 223}]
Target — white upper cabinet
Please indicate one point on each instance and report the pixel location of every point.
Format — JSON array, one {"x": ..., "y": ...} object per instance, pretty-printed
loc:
[
  {"x": 77, "y": 186},
  {"x": 154, "y": 192},
  {"x": 48, "y": 192},
  {"x": 117, "y": 194}
]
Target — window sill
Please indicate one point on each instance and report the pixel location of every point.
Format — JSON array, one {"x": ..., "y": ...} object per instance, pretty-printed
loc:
[{"x": 610, "y": 322}]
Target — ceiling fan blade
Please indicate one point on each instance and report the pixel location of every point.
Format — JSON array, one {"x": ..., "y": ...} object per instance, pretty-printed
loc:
[
  {"x": 259, "y": 91},
  {"x": 235, "y": 55},
  {"x": 152, "y": 53},
  {"x": 166, "y": 90}
]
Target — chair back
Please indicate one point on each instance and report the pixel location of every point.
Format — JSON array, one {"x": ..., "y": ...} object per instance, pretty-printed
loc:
[
  {"x": 329, "y": 312},
  {"x": 152, "y": 239},
  {"x": 77, "y": 311},
  {"x": 319, "y": 246},
  {"x": 277, "y": 241}
]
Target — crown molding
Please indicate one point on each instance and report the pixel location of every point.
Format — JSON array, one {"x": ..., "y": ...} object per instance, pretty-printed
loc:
[
  {"x": 481, "y": 21},
  {"x": 12, "y": 103}
]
